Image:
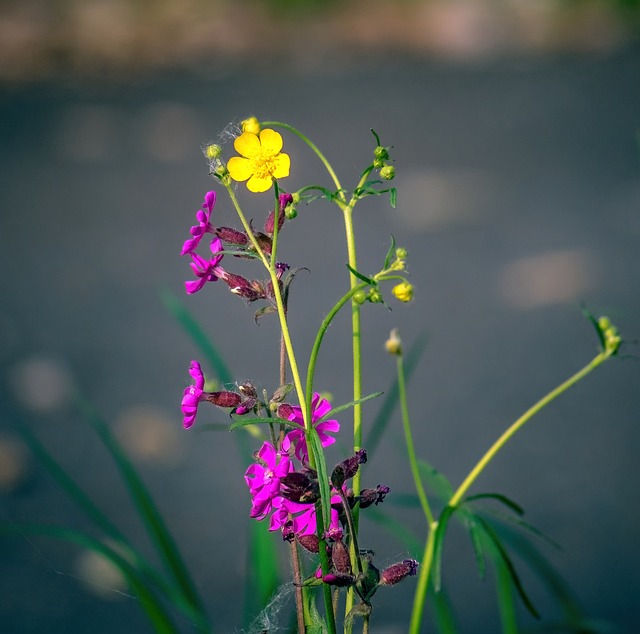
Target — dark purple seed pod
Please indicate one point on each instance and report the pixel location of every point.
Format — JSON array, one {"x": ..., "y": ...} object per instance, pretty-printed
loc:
[
  {"x": 224, "y": 399},
  {"x": 310, "y": 543}
]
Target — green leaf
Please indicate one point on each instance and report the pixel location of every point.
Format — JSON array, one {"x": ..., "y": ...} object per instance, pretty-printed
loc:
[
  {"x": 375, "y": 134},
  {"x": 152, "y": 606},
  {"x": 262, "y": 565},
  {"x": 393, "y": 197},
  {"x": 156, "y": 528},
  {"x": 438, "y": 545},
  {"x": 348, "y": 405},
  {"x": 596, "y": 325},
  {"x": 316, "y": 624},
  {"x": 361, "y": 277},
  {"x": 390, "y": 402},
  {"x": 243, "y": 422},
  {"x": 442, "y": 611},
  {"x": 475, "y": 532},
  {"x": 198, "y": 336},
  {"x": 506, "y": 603},
  {"x": 516, "y": 508},
  {"x": 436, "y": 481},
  {"x": 391, "y": 254},
  {"x": 504, "y": 556}
]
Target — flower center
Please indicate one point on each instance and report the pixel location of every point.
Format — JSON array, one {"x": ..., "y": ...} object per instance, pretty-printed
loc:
[{"x": 263, "y": 165}]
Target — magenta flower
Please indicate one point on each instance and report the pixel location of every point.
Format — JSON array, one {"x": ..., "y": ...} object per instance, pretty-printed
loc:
[
  {"x": 205, "y": 270},
  {"x": 319, "y": 408},
  {"x": 263, "y": 480},
  {"x": 204, "y": 225},
  {"x": 193, "y": 395}
]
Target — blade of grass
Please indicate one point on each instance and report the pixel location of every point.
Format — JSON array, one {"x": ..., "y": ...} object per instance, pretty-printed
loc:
[
  {"x": 155, "y": 610},
  {"x": 151, "y": 517}
]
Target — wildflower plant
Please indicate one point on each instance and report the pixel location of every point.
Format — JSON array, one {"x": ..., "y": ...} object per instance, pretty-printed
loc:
[{"x": 290, "y": 485}]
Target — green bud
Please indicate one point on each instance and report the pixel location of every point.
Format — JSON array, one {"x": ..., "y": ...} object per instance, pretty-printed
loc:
[
  {"x": 290, "y": 212},
  {"x": 604, "y": 323},
  {"x": 360, "y": 297},
  {"x": 401, "y": 253},
  {"x": 378, "y": 163},
  {"x": 213, "y": 151},
  {"x": 375, "y": 296},
  {"x": 388, "y": 172},
  {"x": 381, "y": 153},
  {"x": 393, "y": 344},
  {"x": 296, "y": 197}
]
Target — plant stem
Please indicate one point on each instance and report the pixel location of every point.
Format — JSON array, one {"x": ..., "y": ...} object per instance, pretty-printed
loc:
[
  {"x": 530, "y": 413},
  {"x": 423, "y": 581},
  {"x": 413, "y": 462}
]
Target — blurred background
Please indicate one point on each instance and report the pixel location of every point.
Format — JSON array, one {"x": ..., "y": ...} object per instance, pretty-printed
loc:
[{"x": 514, "y": 130}]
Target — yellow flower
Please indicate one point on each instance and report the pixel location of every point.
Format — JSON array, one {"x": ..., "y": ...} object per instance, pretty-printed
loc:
[
  {"x": 403, "y": 291},
  {"x": 260, "y": 160}
]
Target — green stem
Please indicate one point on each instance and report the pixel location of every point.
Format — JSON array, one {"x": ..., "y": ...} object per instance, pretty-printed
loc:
[
  {"x": 530, "y": 413},
  {"x": 423, "y": 581},
  {"x": 413, "y": 462}
]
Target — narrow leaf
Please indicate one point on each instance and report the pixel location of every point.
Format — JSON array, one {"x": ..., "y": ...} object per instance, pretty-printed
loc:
[
  {"x": 516, "y": 508},
  {"x": 391, "y": 254},
  {"x": 506, "y": 603},
  {"x": 156, "y": 528},
  {"x": 243, "y": 422},
  {"x": 475, "y": 532},
  {"x": 364, "y": 278},
  {"x": 504, "y": 555},
  {"x": 341, "y": 408},
  {"x": 438, "y": 545},
  {"x": 435, "y": 480}
]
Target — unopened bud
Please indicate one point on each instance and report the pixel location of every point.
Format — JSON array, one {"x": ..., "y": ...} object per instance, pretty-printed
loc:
[
  {"x": 309, "y": 542},
  {"x": 285, "y": 411},
  {"x": 251, "y": 125},
  {"x": 339, "y": 580},
  {"x": 224, "y": 399},
  {"x": 232, "y": 236},
  {"x": 374, "y": 296},
  {"x": 360, "y": 297},
  {"x": 381, "y": 153},
  {"x": 401, "y": 253},
  {"x": 340, "y": 558},
  {"x": 403, "y": 291},
  {"x": 212, "y": 151},
  {"x": 290, "y": 212},
  {"x": 348, "y": 468},
  {"x": 373, "y": 496},
  {"x": 397, "y": 572},
  {"x": 300, "y": 488},
  {"x": 393, "y": 344},
  {"x": 388, "y": 172}
]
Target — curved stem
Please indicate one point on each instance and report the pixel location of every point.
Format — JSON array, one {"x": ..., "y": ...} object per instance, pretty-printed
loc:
[
  {"x": 313, "y": 146},
  {"x": 508, "y": 434},
  {"x": 413, "y": 462}
]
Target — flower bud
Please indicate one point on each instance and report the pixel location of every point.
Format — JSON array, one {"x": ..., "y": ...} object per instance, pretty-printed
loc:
[
  {"x": 224, "y": 399},
  {"x": 339, "y": 580},
  {"x": 401, "y": 253},
  {"x": 290, "y": 212},
  {"x": 388, "y": 172},
  {"x": 285, "y": 411},
  {"x": 232, "y": 236},
  {"x": 373, "y": 496},
  {"x": 397, "y": 572},
  {"x": 604, "y": 323},
  {"x": 251, "y": 125},
  {"x": 212, "y": 151},
  {"x": 300, "y": 488},
  {"x": 360, "y": 296},
  {"x": 309, "y": 542},
  {"x": 403, "y": 291},
  {"x": 348, "y": 468},
  {"x": 374, "y": 296},
  {"x": 393, "y": 344},
  {"x": 340, "y": 558},
  {"x": 381, "y": 153}
]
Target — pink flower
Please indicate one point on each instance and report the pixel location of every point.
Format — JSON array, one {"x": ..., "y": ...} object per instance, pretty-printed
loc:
[
  {"x": 205, "y": 270},
  {"x": 204, "y": 225},
  {"x": 193, "y": 395},
  {"x": 304, "y": 516},
  {"x": 319, "y": 408},
  {"x": 263, "y": 480}
]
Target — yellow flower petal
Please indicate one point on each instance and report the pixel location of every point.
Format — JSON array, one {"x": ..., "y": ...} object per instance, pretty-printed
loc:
[
  {"x": 271, "y": 141},
  {"x": 239, "y": 168},
  {"x": 257, "y": 185},
  {"x": 283, "y": 162},
  {"x": 247, "y": 144}
]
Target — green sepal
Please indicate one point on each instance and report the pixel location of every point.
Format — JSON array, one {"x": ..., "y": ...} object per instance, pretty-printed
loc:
[
  {"x": 265, "y": 310},
  {"x": 596, "y": 325}
]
